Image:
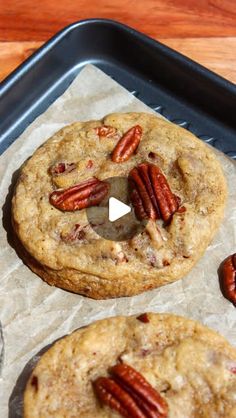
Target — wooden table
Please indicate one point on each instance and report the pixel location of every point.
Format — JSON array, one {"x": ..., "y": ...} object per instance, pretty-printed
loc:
[{"x": 204, "y": 30}]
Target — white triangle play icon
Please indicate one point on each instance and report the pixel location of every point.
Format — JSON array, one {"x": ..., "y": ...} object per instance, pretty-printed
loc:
[{"x": 117, "y": 209}]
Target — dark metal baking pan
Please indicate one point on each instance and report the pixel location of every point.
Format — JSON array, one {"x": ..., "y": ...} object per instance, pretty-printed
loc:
[{"x": 183, "y": 91}]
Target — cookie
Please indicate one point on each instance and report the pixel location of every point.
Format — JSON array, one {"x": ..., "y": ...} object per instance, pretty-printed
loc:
[
  {"x": 60, "y": 245},
  {"x": 191, "y": 368}
]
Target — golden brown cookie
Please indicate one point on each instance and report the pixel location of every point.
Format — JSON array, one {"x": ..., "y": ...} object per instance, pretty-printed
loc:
[
  {"x": 192, "y": 368},
  {"x": 62, "y": 247}
]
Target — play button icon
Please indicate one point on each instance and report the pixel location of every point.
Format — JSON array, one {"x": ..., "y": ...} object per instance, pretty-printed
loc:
[
  {"x": 114, "y": 218},
  {"x": 117, "y": 209}
]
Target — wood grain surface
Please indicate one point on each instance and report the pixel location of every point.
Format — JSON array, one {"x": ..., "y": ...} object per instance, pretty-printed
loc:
[{"x": 204, "y": 30}]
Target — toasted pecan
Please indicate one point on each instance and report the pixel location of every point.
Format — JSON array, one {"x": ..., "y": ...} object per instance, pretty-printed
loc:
[
  {"x": 151, "y": 195},
  {"x": 127, "y": 145},
  {"x": 228, "y": 278},
  {"x": 83, "y": 195},
  {"x": 129, "y": 393}
]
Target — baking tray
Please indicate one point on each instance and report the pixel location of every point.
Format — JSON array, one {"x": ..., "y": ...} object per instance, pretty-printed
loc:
[{"x": 178, "y": 88}]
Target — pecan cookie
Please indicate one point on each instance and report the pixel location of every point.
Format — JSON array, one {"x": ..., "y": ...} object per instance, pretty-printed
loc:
[
  {"x": 153, "y": 365},
  {"x": 176, "y": 186}
]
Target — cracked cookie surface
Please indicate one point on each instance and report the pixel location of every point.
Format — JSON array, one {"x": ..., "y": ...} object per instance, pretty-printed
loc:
[
  {"x": 62, "y": 247},
  {"x": 192, "y": 367}
]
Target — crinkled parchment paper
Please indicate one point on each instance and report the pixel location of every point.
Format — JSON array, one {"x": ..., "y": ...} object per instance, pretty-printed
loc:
[{"x": 32, "y": 313}]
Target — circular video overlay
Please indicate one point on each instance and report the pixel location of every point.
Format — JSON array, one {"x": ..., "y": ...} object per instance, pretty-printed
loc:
[{"x": 114, "y": 218}]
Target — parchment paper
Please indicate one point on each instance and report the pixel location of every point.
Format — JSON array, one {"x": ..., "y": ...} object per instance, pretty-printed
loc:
[{"x": 32, "y": 313}]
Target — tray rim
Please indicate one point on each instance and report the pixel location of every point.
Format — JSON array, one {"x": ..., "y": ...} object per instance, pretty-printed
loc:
[{"x": 26, "y": 65}]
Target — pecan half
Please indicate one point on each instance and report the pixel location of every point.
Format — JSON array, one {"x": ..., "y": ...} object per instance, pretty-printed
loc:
[
  {"x": 127, "y": 145},
  {"x": 128, "y": 392},
  {"x": 105, "y": 131},
  {"x": 111, "y": 394},
  {"x": 228, "y": 278},
  {"x": 151, "y": 195},
  {"x": 60, "y": 168},
  {"x": 83, "y": 195}
]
